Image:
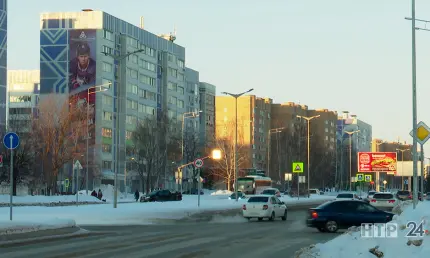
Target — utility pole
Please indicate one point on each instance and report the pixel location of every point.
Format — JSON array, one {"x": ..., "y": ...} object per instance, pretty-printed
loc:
[{"x": 119, "y": 95}]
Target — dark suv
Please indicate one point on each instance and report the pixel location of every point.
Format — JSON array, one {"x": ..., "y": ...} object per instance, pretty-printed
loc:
[{"x": 403, "y": 195}]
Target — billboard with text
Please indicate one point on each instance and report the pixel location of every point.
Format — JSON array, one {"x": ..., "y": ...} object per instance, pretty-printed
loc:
[{"x": 377, "y": 161}]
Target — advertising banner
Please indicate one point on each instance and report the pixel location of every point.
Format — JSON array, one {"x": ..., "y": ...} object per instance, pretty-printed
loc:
[
  {"x": 377, "y": 162},
  {"x": 82, "y": 72}
]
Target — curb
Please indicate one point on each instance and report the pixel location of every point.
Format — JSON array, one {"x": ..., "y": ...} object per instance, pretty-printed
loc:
[{"x": 77, "y": 232}]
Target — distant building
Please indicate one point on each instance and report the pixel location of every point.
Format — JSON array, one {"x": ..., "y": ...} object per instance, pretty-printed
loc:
[
  {"x": 207, "y": 117},
  {"x": 23, "y": 90}
]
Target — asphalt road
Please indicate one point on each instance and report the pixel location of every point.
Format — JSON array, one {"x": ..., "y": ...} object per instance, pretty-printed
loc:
[{"x": 222, "y": 236}]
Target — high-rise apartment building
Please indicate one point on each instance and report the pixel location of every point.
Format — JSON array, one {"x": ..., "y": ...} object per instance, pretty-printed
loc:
[
  {"x": 207, "y": 116},
  {"x": 23, "y": 90},
  {"x": 253, "y": 123},
  {"x": 289, "y": 141},
  {"x": 192, "y": 99},
  {"x": 77, "y": 52},
  {"x": 3, "y": 62}
]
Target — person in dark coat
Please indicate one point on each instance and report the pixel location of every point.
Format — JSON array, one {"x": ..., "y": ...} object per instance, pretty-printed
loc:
[
  {"x": 94, "y": 193},
  {"x": 136, "y": 195},
  {"x": 100, "y": 195}
]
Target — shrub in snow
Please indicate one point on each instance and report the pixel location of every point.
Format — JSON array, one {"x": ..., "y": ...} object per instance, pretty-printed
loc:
[
  {"x": 307, "y": 252},
  {"x": 376, "y": 252}
]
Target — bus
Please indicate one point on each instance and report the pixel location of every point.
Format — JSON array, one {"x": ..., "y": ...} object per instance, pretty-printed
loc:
[{"x": 253, "y": 184}]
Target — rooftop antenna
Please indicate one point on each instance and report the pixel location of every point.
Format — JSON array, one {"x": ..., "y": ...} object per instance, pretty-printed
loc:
[{"x": 173, "y": 35}]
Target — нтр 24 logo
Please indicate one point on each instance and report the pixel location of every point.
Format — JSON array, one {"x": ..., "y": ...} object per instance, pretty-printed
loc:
[{"x": 391, "y": 230}]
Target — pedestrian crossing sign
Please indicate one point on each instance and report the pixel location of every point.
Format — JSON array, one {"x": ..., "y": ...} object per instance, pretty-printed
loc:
[
  {"x": 360, "y": 177},
  {"x": 297, "y": 167},
  {"x": 368, "y": 178}
]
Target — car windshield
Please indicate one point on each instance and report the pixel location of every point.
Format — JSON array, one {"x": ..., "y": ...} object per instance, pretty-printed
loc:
[
  {"x": 345, "y": 196},
  {"x": 258, "y": 199},
  {"x": 269, "y": 191},
  {"x": 383, "y": 196},
  {"x": 403, "y": 192}
]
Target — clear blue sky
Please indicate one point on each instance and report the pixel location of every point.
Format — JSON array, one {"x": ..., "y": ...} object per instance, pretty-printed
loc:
[{"x": 339, "y": 54}]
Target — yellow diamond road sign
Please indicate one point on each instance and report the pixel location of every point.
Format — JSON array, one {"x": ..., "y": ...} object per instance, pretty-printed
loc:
[
  {"x": 423, "y": 133},
  {"x": 297, "y": 167}
]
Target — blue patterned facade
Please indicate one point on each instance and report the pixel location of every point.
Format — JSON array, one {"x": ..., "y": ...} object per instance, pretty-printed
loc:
[
  {"x": 54, "y": 57},
  {"x": 3, "y": 61}
]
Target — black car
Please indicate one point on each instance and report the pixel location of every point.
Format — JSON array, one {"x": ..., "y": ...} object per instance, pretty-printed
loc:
[
  {"x": 334, "y": 215},
  {"x": 162, "y": 196}
]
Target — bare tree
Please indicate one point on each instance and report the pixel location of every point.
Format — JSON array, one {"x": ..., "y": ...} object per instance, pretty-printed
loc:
[
  {"x": 152, "y": 148},
  {"x": 191, "y": 151},
  {"x": 59, "y": 127},
  {"x": 224, "y": 168}
]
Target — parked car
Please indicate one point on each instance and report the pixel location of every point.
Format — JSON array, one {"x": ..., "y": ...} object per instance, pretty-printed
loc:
[
  {"x": 264, "y": 206},
  {"x": 315, "y": 191},
  {"x": 162, "y": 196},
  {"x": 384, "y": 201},
  {"x": 240, "y": 196},
  {"x": 193, "y": 192},
  {"x": 347, "y": 196},
  {"x": 403, "y": 195},
  {"x": 341, "y": 214},
  {"x": 272, "y": 191}
]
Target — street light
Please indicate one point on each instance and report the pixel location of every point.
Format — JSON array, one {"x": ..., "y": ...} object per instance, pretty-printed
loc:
[
  {"x": 308, "y": 119},
  {"x": 275, "y": 130},
  {"x": 119, "y": 59},
  {"x": 236, "y": 174},
  {"x": 402, "y": 151},
  {"x": 88, "y": 119},
  {"x": 350, "y": 157}
]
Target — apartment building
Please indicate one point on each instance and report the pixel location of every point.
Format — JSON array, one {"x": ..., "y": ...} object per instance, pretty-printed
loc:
[
  {"x": 253, "y": 125},
  {"x": 207, "y": 117},
  {"x": 3, "y": 62}
]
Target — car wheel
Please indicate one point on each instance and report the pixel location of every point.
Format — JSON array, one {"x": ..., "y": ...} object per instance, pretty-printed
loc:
[
  {"x": 331, "y": 226},
  {"x": 260, "y": 219},
  {"x": 285, "y": 215},
  {"x": 321, "y": 230},
  {"x": 272, "y": 216}
]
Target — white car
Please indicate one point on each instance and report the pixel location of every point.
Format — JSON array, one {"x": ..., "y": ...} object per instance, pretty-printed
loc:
[
  {"x": 384, "y": 200},
  {"x": 264, "y": 206},
  {"x": 347, "y": 196}
]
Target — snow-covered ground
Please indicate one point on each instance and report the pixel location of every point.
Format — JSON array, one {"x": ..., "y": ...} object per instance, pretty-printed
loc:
[
  {"x": 48, "y": 199},
  {"x": 134, "y": 213},
  {"x": 352, "y": 245},
  {"x": 25, "y": 226}
]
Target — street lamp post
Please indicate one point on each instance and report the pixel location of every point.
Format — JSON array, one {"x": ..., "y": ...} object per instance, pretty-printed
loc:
[
  {"x": 308, "y": 119},
  {"x": 236, "y": 172},
  {"x": 88, "y": 122},
  {"x": 402, "y": 151},
  {"x": 275, "y": 130},
  {"x": 350, "y": 157},
  {"x": 119, "y": 59}
]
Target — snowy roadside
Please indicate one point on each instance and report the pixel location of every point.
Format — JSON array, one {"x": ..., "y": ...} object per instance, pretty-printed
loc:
[
  {"x": 137, "y": 213},
  {"x": 26, "y": 226},
  {"x": 352, "y": 245}
]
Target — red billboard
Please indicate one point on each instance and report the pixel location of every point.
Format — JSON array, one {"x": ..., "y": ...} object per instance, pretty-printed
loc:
[{"x": 377, "y": 162}]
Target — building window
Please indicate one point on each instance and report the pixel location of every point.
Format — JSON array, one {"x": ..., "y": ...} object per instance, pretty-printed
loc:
[
  {"x": 172, "y": 72},
  {"x": 107, "y": 148},
  {"x": 107, "y": 50},
  {"x": 134, "y": 59},
  {"x": 172, "y": 100},
  {"x": 108, "y": 35},
  {"x": 107, "y": 132},
  {"x": 149, "y": 51},
  {"x": 150, "y": 95},
  {"x": 142, "y": 108},
  {"x": 150, "y": 110},
  {"x": 132, "y": 73},
  {"x": 107, "y": 116},
  {"x": 131, "y": 104},
  {"x": 132, "y": 88},
  {"x": 180, "y": 103},
  {"x": 19, "y": 99},
  {"x": 170, "y": 114},
  {"x": 181, "y": 63},
  {"x": 147, "y": 80},
  {"x": 107, "y": 100},
  {"x": 147, "y": 65},
  {"x": 107, "y": 67},
  {"x": 131, "y": 120},
  {"x": 180, "y": 77},
  {"x": 132, "y": 42},
  {"x": 172, "y": 86},
  {"x": 181, "y": 90},
  {"x": 128, "y": 135},
  {"x": 107, "y": 164}
]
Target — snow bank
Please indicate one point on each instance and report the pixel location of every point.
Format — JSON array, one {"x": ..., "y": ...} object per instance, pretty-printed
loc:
[
  {"x": 222, "y": 192},
  {"x": 352, "y": 245},
  {"x": 17, "y": 227},
  {"x": 41, "y": 199}
]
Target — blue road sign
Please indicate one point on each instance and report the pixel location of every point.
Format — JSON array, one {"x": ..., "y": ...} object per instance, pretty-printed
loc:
[{"x": 7, "y": 140}]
